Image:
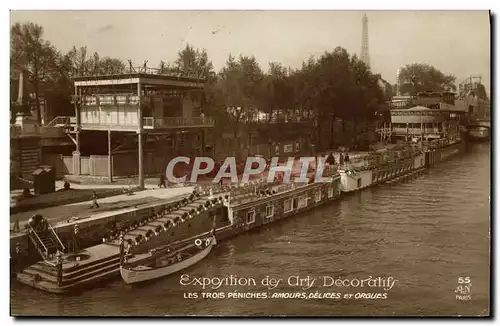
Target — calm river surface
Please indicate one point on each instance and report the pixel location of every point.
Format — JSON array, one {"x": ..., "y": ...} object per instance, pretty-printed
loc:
[{"x": 425, "y": 233}]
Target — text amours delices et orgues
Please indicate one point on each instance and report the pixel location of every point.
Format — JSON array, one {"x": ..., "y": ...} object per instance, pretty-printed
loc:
[{"x": 307, "y": 286}]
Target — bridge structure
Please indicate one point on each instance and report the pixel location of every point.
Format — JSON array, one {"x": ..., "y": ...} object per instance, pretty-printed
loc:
[
  {"x": 472, "y": 95},
  {"x": 478, "y": 128}
]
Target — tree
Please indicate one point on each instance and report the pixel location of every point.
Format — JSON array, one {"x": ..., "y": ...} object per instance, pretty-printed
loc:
[
  {"x": 303, "y": 84},
  {"x": 79, "y": 63},
  {"x": 110, "y": 66},
  {"x": 335, "y": 85},
  {"x": 420, "y": 77},
  {"x": 277, "y": 90},
  {"x": 238, "y": 89},
  {"x": 330, "y": 88},
  {"x": 193, "y": 63},
  {"x": 33, "y": 55}
]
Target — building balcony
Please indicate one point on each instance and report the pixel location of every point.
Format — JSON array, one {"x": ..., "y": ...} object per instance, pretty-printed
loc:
[
  {"x": 426, "y": 132},
  {"x": 149, "y": 123}
]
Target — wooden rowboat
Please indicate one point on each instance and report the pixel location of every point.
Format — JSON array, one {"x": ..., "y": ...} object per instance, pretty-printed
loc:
[{"x": 165, "y": 262}]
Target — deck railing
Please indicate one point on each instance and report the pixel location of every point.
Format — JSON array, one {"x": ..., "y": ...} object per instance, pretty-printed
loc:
[
  {"x": 57, "y": 238},
  {"x": 61, "y": 121},
  {"x": 35, "y": 131},
  {"x": 416, "y": 131},
  {"x": 38, "y": 243}
]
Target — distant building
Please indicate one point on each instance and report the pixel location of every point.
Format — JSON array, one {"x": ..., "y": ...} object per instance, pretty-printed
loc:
[
  {"x": 426, "y": 99},
  {"x": 473, "y": 99},
  {"x": 424, "y": 123}
]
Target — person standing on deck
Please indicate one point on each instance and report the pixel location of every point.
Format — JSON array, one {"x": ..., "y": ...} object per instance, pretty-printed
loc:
[
  {"x": 19, "y": 258},
  {"x": 346, "y": 159},
  {"x": 94, "y": 200},
  {"x": 331, "y": 159},
  {"x": 341, "y": 160}
]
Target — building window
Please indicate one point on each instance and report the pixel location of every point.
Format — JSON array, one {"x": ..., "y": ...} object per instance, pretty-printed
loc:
[
  {"x": 359, "y": 182},
  {"x": 287, "y": 206},
  {"x": 251, "y": 216},
  {"x": 318, "y": 196},
  {"x": 302, "y": 201},
  {"x": 330, "y": 192},
  {"x": 269, "y": 211}
]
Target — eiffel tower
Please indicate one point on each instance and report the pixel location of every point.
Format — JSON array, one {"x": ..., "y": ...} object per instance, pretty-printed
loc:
[{"x": 365, "y": 54}]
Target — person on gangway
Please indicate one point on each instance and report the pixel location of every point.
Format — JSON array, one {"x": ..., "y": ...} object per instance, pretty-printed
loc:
[
  {"x": 76, "y": 238},
  {"x": 162, "y": 182}
]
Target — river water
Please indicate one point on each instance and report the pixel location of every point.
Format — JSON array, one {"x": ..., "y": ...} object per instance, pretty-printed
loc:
[{"x": 425, "y": 233}]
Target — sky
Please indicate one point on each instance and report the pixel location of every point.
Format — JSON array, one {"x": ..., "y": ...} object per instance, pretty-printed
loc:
[{"x": 455, "y": 42}]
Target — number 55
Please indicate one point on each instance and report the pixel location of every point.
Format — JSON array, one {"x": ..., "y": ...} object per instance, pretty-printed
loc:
[{"x": 464, "y": 280}]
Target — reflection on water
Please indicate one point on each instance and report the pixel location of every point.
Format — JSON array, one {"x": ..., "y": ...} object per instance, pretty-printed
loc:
[{"x": 426, "y": 233}]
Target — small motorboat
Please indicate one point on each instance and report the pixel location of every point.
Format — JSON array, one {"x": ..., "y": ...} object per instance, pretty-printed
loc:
[{"x": 165, "y": 261}]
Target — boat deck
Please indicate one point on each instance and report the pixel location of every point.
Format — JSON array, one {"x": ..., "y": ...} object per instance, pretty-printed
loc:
[{"x": 115, "y": 205}]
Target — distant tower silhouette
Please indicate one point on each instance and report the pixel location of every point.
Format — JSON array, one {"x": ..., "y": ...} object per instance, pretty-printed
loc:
[{"x": 365, "y": 54}]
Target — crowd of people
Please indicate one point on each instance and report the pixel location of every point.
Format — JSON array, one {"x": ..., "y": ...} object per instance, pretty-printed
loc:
[{"x": 343, "y": 159}]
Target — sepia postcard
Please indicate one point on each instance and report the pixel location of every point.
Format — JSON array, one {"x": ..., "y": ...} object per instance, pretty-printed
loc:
[{"x": 250, "y": 163}]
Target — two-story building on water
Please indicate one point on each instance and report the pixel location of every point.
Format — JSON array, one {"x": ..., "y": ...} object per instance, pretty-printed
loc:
[{"x": 133, "y": 124}]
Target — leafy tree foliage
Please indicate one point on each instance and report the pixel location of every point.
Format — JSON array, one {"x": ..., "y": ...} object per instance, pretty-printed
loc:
[
  {"x": 237, "y": 90},
  {"x": 49, "y": 70},
  {"x": 419, "y": 77},
  {"x": 34, "y": 56},
  {"x": 193, "y": 63}
]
